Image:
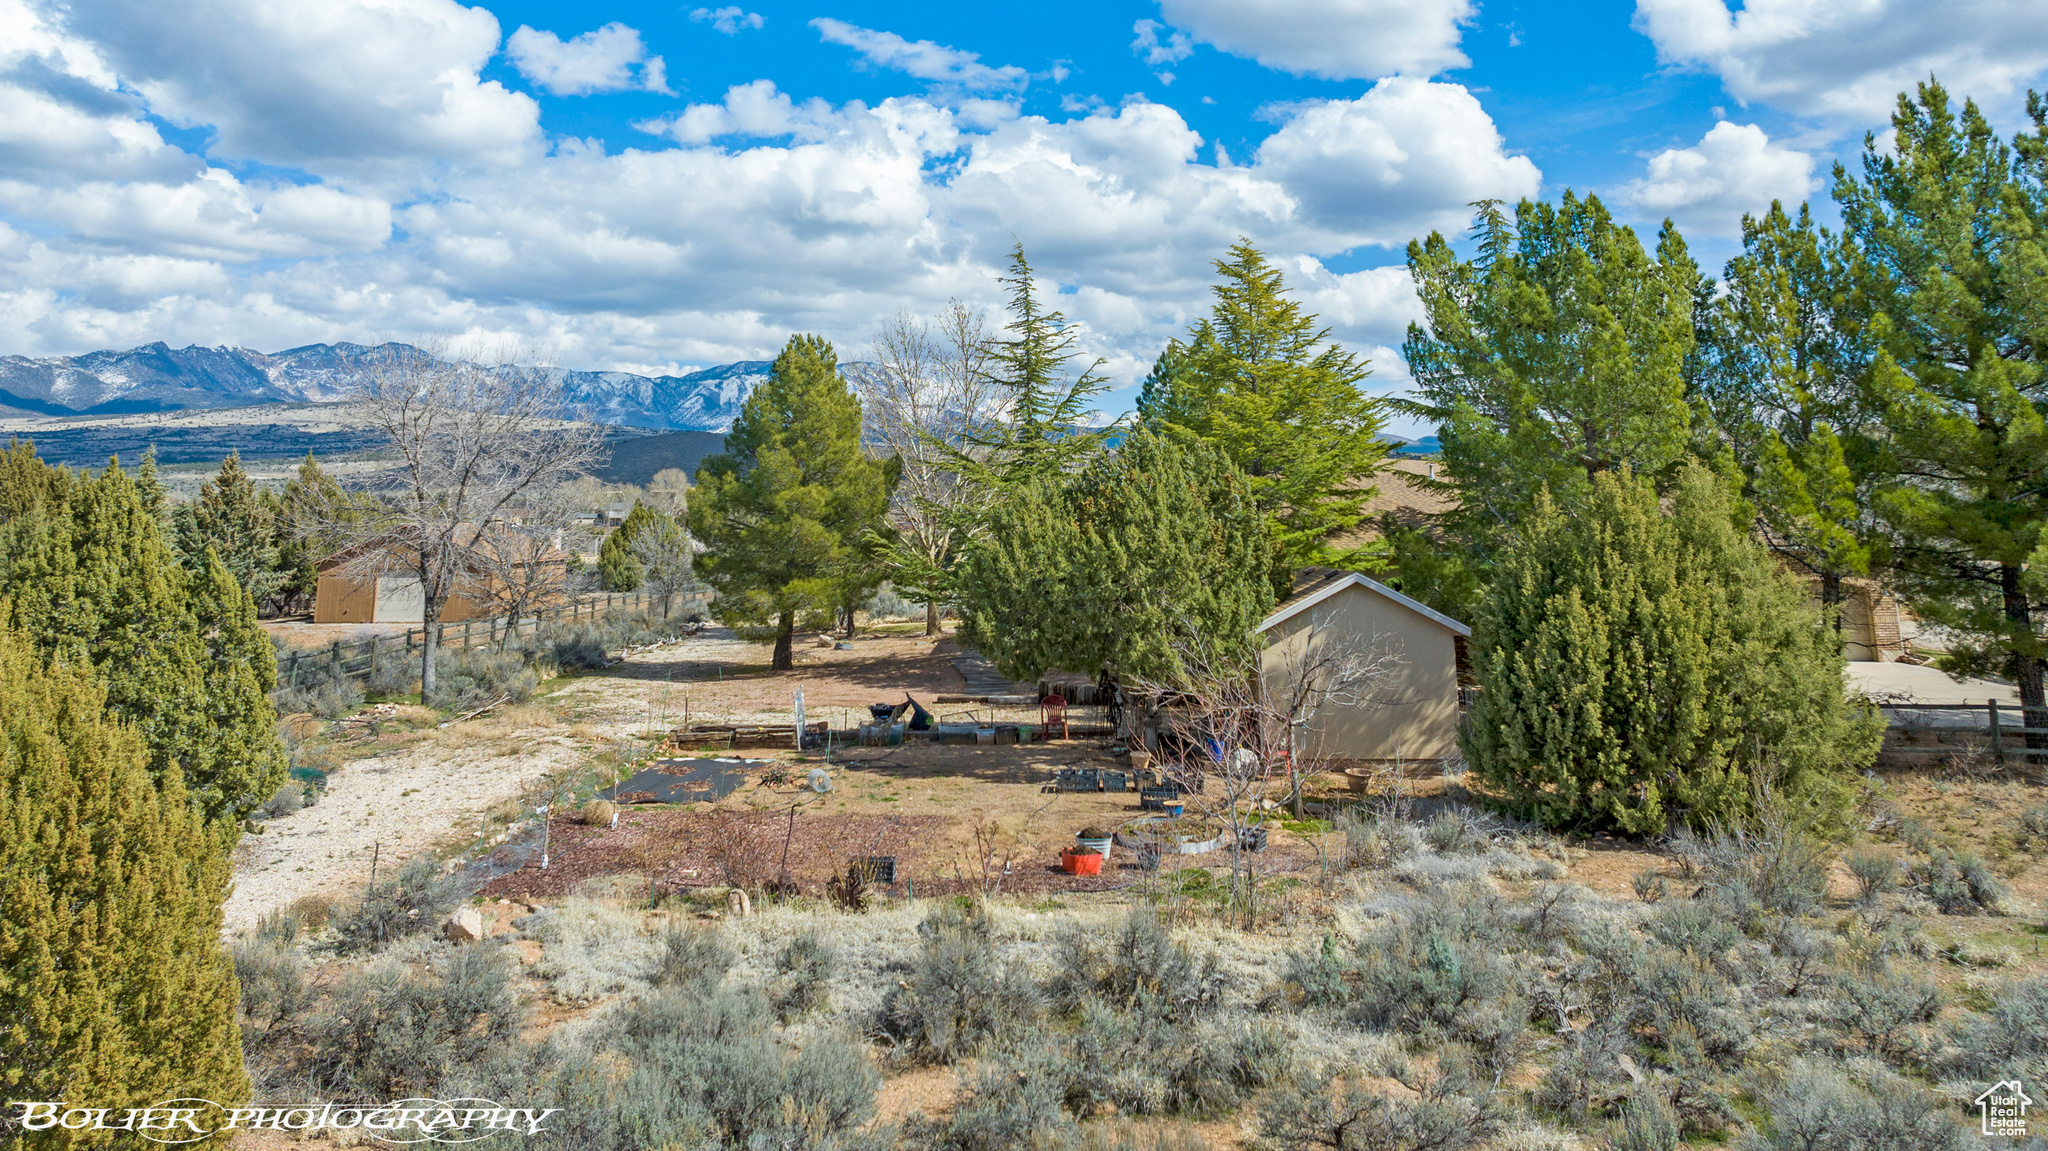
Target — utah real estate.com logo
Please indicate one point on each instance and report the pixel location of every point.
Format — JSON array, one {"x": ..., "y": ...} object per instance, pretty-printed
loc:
[{"x": 2004, "y": 1108}]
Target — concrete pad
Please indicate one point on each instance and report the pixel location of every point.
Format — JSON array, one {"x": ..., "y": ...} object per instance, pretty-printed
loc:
[{"x": 1916, "y": 683}]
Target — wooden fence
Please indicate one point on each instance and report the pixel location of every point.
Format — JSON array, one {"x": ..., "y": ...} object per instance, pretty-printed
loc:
[
  {"x": 2001, "y": 739},
  {"x": 356, "y": 658}
]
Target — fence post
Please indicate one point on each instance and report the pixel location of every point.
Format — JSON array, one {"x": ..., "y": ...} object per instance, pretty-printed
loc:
[
  {"x": 1997, "y": 736},
  {"x": 465, "y": 634},
  {"x": 334, "y": 659},
  {"x": 294, "y": 680}
]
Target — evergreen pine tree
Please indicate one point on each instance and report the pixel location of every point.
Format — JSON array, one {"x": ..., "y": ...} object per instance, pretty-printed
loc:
[
  {"x": 1784, "y": 377},
  {"x": 231, "y": 520},
  {"x": 1041, "y": 433},
  {"x": 1638, "y": 668},
  {"x": 155, "y": 500},
  {"x": 1952, "y": 230},
  {"x": 1559, "y": 352},
  {"x": 782, "y": 509},
  {"x": 1260, "y": 381},
  {"x": 616, "y": 563},
  {"x": 115, "y": 990},
  {"x": 1153, "y": 554}
]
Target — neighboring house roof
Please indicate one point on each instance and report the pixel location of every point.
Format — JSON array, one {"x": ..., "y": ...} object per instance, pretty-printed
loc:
[{"x": 1313, "y": 585}]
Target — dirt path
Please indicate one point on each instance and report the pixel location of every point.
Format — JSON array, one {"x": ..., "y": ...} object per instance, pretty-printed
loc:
[{"x": 436, "y": 792}]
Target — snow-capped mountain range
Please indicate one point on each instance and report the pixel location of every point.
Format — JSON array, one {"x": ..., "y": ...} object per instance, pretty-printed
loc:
[{"x": 159, "y": 378}]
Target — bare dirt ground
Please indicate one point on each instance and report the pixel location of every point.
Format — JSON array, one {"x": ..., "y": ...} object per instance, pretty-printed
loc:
[{"x": 432, "y": 792}]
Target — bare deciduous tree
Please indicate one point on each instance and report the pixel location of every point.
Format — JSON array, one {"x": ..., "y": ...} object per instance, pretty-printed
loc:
[
  {"x": 1324, "y": 669},
  {"x": 665, "y": 556},
  {"x": 1236, "y": 728},
  {"x": 932, "y": 390},
  {"x": 475, "y": 441}
]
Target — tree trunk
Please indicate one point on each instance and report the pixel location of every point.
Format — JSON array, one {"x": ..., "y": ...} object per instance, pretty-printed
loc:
[
  {"x": 2027, "y": 667},
  {"x": 785, "y": 635},
  {"x": 931, "y": 619},
  {"x": 430, "y": 624},
  {"x": 1831, "y": 598}
]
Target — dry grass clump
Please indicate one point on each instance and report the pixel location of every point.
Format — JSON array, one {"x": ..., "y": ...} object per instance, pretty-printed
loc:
[
  {"x": 599, "y": 813},
  {"x": 590, "y": 950}
]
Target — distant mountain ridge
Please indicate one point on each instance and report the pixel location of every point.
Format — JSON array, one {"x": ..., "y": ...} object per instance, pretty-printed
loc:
[{"x": 159, "y": 378}]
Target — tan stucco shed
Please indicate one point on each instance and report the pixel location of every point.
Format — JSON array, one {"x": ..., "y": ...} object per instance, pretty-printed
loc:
[{"x": 1412, "y": 713}]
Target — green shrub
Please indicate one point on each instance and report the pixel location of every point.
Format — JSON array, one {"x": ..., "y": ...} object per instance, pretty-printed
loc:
[
  {"x": 1959, "y": 884},
  {"x": 1639, "y": 667},
  {"x": 290, "y": 798},
  {"x": 274, "y": 989},
  {"x": 803, "y": 973},
  {"x": 1648, "y": 1123},
  {"x": 685, "y": 1068},
  {"x": 414, "y": 902},
  {"x": 389, "y": 1033},
  {"x": 958, "y": 993},
  {"x": 1585, "y": 1076},
  {"x": 471, "y": 677},
  {"x": 1875, "y": 873},
  {"x": 393, "y": 671},
  {"x": 2013, "y": 1036},
  {"x": 1454, "y": 831},
  {"x": 1886, "y": 1014},
  {"x": 1448, "y": 1111},
  {"x": 694, "y": 958},
  {"x": 1822, "y": 1106},
  {"x": 1141, "y": 965},
  {"x": 1696, "y": 926}
]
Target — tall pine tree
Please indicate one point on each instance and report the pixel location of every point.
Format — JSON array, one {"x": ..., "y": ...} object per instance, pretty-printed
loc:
[
  {"x": 115, "y": 990},
  {"x": 1559, "y": 352},
  {"x": 1262, "y": 383},
  {"x": 1785, "y": 370},
  {"x": 1952, "y": 229},
  {"x": 231, "y": 519},
  {"x": 1638, "y": 668},
  {"x": 782, "y": 510}
]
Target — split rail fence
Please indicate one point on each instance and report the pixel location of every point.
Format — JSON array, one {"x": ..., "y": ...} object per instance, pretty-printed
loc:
[
  {"x": 356, "y": 658},
  {"x": 1948, "y": 728}
]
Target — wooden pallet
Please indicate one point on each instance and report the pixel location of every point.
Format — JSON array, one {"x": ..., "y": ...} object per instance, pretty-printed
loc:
[{"x": 743, "y": 735}]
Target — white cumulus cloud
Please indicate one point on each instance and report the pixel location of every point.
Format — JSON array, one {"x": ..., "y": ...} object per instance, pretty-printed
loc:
[
  {"x": 1851, "y": 58},
  {"x": 344, "y": 86},
  {"x": 727, "y": 20},
  {"x": 1708, "y": 187},
  {"x": 741, "y": 220},
  {"x": 922, "y": 59},
  {"x": 607, "y": 59},
  {"x": 1333, "y": 39},
  {"x": 1406, "y": 157}
]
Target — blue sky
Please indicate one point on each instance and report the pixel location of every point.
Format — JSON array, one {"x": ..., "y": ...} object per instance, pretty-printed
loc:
[{"x": 650, "y": 187}]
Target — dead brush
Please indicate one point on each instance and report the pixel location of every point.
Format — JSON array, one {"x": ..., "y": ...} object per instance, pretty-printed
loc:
[{"x": 743, "y": 849}]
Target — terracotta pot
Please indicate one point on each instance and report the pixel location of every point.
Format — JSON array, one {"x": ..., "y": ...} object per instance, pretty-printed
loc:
[{"x": 1074, "y": 863}]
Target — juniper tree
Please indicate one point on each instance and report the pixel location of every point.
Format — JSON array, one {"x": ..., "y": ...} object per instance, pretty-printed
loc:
[
  {"x": 231, "y": 519},
  {"x": 91, "y": 580},
  {"x": 1638, "y": 668},
  {"x": 1261, "y": 382},
  {"x": 783, "y": 508},
  {"x": 616, "y": 563},
  {"x": 1950, "y": 225},
  {"x": 114, "y": 987},
  {"x": 1150, "y": 555}
]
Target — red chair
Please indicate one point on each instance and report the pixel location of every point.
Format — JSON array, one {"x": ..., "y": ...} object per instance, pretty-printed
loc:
[{"x": 1052, "y": 713}]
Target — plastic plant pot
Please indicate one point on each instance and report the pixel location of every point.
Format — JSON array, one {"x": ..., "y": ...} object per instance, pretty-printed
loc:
[
  {"x": 1172, "y": 810},
  {"x": 1079, "y": 863}
]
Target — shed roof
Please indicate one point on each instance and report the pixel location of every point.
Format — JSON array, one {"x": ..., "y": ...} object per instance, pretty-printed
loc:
[{"x": 1313, "y": 585}]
